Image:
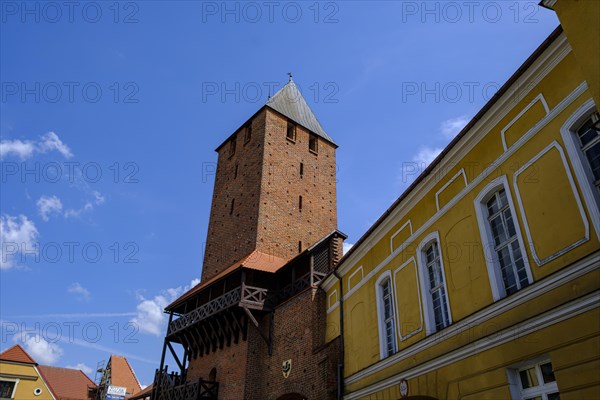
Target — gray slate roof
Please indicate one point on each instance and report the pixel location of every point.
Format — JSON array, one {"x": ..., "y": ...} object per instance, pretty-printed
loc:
[{"x": 289, "y": 102}]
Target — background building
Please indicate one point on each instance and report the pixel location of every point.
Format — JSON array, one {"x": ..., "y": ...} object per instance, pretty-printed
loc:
[{"x": 482, "y": 280}]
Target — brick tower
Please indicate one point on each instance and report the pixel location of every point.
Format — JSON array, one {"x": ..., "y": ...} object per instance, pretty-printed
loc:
[
  {"x": 275, "y": 185},
  {"x": 254, "y": 327}
]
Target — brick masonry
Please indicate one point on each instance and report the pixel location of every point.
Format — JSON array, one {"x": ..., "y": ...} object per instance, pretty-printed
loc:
[{"x": 265, "y": 194}]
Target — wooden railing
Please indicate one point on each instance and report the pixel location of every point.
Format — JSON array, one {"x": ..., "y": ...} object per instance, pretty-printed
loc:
[{"x": 171, "y": 387}]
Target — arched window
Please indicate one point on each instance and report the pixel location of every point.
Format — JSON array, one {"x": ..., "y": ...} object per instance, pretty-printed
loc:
[
  {"x": 581, "y": 135},
  {"x": 386, "y": 315},
  {"x": 505, "y": 254},
  {"x": 212, "y": 375},
  {"x": 433, "y": 284}
]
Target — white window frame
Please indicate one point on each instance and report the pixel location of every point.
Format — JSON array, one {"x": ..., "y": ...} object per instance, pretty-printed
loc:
[
  {"x": 580, "y": 162},
  {"x": 383, "y": 352},
  {"x": 516, "y": 389},
  {"x": 428, "y": 314},
  {"x": 487, "y": 239},
  {"x": 16, "y": 381}
]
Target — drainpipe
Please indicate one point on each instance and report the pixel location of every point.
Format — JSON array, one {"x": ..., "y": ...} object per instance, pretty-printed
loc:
[{"x": 340, "y": 371}]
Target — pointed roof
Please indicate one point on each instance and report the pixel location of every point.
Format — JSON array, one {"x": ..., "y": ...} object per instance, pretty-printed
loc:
[
  {"x": 121, "y": 374},
  {"x": 66, "y": 383},
  {"x": 16, "y": 354},
  {"x": 290, "y": 102}
]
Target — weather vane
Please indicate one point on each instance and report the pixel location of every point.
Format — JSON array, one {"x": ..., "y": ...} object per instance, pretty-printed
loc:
[{"x": 290, "y": 75}]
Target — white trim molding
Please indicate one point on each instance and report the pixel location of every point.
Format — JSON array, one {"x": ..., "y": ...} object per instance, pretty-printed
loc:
[
  {"x": 559, "y": 278},
  {"x": 405, "y": 207},
  {"x": 540, "y": 68},
  {"x": 433, "y": 237},
  {"x": 455, "y": 177},
  {"x": 591, "y": 196},
  {"x": 540, "y": 98},
  {"x": 407, "y": 223},
  {"x": 362, "y": 276},
  {"x": 554, "y": 316},
  {"x": 487, "y": 239},
  {"x": 540, "y": 262},
  {"x": 420, "y": 328}
]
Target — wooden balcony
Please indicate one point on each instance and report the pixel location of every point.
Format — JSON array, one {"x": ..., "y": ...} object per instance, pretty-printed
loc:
[{"x": 174, "y": 387}]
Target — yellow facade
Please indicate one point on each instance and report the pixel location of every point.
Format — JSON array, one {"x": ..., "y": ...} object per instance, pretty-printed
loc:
[
  {"x": 524, "y": 145},
  {"x": 28, "y": 382}
]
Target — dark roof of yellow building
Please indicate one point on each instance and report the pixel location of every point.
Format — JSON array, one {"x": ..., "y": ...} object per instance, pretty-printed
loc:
[{"x": 17, "y": 354}]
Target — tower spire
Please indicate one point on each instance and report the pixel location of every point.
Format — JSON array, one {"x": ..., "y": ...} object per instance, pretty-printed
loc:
[{"x": 290, "y": 75}]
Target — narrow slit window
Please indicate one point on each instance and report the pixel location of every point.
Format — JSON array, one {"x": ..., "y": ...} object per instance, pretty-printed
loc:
[
  {"x": 300, "y": 246},
  {"x": 232, "y": 206},
  {"x": 301, "y": 170},
  {"x": 248, "y": 133},
  {"x": 235, "y": 173},
  {"x": 300, "y": 203},
  {"x": 231, "y": 147}
]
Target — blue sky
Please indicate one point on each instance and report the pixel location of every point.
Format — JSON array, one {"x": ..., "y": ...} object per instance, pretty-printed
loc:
[{"x": 110, "y": 116}]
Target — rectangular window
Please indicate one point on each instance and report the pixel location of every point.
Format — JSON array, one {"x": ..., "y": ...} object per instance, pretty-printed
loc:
[
  {"x": 6, "y": 389},
  {"x": 301, "y": 170},
  {"x": 506, "y": 244},
  {"x": 300, "y": 203},
  {"x": 291, "y": 131},
  {"x": 235, "y": 173},
  {"x": 232, "y": 206},
  {"x": 437, "y": 289},
  {"x": 389, "y": 327},
  {"x": 248, "y": 133},
  {"x": 537, "y": 382},
  {"x": 589, "y": 142},
  {"x": 313, "y": 143}
]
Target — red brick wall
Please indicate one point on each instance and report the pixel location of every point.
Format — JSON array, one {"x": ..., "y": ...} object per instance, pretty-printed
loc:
[
  {"x": 299, "y": 331},
  {"x": 230, "y": 363},
  {"x": 266, "y": 190}
]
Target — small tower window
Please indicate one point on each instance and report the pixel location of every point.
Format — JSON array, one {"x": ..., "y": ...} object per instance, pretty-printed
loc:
[
  {"x": 300, "y": 246},
  {"x": 232, "y": 147},
  {"x": 291, "y": 131},
  {"x": 236, "y": 171},
  {"x": 301, "y": 170},
  {"x": 313, "y": 143},
  {"x": 248, "y": 133},
  {"x": 232, "y": 206},
  {"x": 300, "y": 203}
]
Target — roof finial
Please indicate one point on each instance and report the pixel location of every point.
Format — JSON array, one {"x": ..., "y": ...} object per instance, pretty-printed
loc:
[{"x": 290, "y": 75}]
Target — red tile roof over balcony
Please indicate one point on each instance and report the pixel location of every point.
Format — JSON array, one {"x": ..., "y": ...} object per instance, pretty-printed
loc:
[
  {"x": 66, "y": 383},
  {"x": 256, "y": 260},
  {"x": 16, "y": 354}
]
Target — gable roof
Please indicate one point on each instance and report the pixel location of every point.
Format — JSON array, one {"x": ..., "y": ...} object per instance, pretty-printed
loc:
[
  {"x": 289, "y": 102},
  {"x": 121, "y": 374},
  {"x": 17, "y": 354},
  {"x": 256, "y": 260},
  {"x": 66, "y": 383}
]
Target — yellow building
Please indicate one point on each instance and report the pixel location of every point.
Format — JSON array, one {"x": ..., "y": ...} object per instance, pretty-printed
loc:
[
  {"x": 482, "y": 280},
  {"x": 20, "y": 377}
]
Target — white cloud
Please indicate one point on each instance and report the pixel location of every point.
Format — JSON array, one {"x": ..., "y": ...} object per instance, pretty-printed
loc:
[
  {"x": 150, "y": 317},
  {"x": 49, "y": 205},
  {"x": 347, "y": 246},
  {"x": 26, "y": 149},
  {"x": 21, "y": 149},
  {"x": 450, "y": 127},
  {"x": 86, "y": 370},
  {"x": 40, "y": 349},
  {"x": 16, "y": 234},
  {"x": 426, "y": 155},
  {"x": 98, "y": 198},
  {"x": 81, "y": 292}
]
